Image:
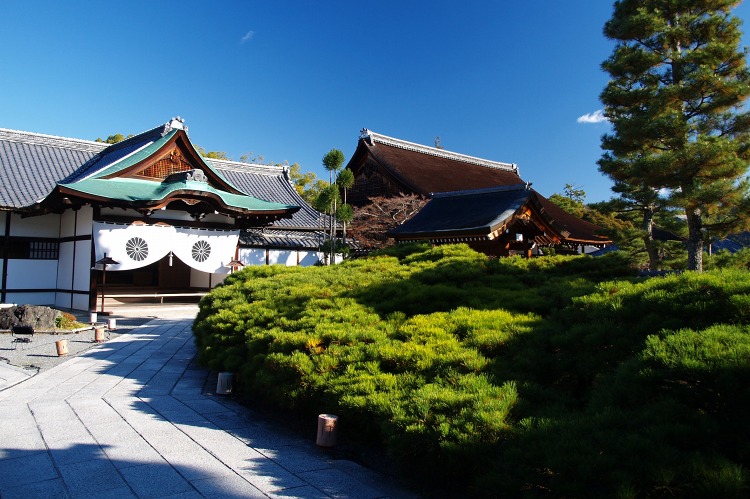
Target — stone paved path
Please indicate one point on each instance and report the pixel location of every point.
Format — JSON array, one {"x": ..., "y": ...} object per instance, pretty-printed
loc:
[{"x": 130, "y": 419}]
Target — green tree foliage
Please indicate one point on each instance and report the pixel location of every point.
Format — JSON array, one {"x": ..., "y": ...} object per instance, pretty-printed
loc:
[
  {"x": 212, "y": 154},
  {"x": 308, "y": 185},
  {"x": 572, "y": 200},
  {"x": 329, "y": 199},
  {"x": 678, "y": 82},
  {"x": 552, "y": 377},
  {"x": 114, "y": 139}
]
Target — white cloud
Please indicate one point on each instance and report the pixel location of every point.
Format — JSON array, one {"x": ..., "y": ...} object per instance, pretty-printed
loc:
[
  {"x": 248, "y": 36},
  {"x": 595, "y": 117}
]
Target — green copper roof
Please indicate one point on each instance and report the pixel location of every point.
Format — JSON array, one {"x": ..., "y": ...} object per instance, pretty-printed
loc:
[
  {"x": 138, "y": 190},
  {"x": 136, "y": 156}
]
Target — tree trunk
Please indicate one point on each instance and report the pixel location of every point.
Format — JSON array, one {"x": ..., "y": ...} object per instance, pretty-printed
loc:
[
  {"x": 695, "y": 239},
  {"x": 648, "y": 239}
]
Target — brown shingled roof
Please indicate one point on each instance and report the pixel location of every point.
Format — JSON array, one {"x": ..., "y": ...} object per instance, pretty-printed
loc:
[
  {"x": 423, "y": 170},
  {"x": 580, "y": 230}
]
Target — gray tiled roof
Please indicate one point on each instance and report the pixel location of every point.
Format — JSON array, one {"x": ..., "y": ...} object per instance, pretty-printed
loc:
[
  {"x": 31, "y": 164},
  {"x": 271, "y": 184},
  {"x": 281, "y": 239}
]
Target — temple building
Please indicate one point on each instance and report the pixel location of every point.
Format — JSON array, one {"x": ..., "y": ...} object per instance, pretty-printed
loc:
[
  {"x": 483, "y": 203},
  {"x": 165, "y": 220}
]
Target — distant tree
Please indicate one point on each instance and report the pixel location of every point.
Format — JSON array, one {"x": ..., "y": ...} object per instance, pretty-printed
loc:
[
  {"x": 329, "y": 198},
  {"x": 371, "y": 221},
  {"x": 572, "y": 200},
  {"x": 114, "y": 139},
  {"x": 308, "y": 185},
  {"x": 678, "y": 83},
  {"x": 252, "y": 158},
  {"x": 212, "y": 154},
  {"x": 345, "y": 181}
]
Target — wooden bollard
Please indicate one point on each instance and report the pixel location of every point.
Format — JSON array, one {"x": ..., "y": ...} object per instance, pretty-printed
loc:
[{"x": 327, "y": 430}]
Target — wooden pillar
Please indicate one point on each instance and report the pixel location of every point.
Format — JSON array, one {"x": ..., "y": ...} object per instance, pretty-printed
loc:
[{"x": 4, "y": 252}]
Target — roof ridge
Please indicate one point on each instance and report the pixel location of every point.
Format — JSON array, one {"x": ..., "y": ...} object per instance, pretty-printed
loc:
[
  {"x": 483, "y": 190},
  {"x": 51, "y": 140},
  {"x": 366, "y": 134},
  {"x": 226, "y": 164}
]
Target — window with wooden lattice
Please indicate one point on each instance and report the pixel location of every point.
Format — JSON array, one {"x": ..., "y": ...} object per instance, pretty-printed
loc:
[{"x": 173, "y": 163}]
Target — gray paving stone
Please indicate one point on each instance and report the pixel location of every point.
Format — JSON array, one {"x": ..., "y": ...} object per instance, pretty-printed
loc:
[
  {"x": 229, "y": 487},
  {"x": 89, "y": 478},
  {"x": 153, "y": 480},
  {"x": 204, "y": 405},
  {"x": 76, "y": 453},
  {"x": 94, "y": 412},
  {"x": 269, "y": 476},
  {"x": 336, "y": 483},
  {"x": 25, "y": 469},
  {"x": 131, "y": 418},
  {"x": 44, "y": 489},
  {"x": 14, "y": 440},
  {"x": 295, "y": 459},
  {"x": 304, "y": 492}
]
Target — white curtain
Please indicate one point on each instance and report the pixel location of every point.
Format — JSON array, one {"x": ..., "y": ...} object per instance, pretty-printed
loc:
[
  {"x": 134, "y": 246},
  {"x": 204, "y": 249}
]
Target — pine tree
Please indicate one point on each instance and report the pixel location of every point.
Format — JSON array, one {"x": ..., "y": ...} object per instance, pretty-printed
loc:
[{"x": 680, "y": 136}]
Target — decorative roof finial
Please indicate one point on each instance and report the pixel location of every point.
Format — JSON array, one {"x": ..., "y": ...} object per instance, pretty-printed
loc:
[{"x": 176, "y": 124}]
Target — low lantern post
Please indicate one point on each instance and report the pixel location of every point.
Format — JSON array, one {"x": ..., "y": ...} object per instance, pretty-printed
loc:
[{"x": 104, "y": 262}]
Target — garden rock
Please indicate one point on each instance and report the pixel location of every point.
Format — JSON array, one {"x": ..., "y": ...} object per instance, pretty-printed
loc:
[{"x": 39, "y": 317}]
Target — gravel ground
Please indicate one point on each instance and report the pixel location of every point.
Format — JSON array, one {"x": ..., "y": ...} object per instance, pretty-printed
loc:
[{"x": 41, "y": 352}]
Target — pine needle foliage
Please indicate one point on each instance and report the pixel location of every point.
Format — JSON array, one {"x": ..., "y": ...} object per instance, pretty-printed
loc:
[{"x": 557, "y": 376}]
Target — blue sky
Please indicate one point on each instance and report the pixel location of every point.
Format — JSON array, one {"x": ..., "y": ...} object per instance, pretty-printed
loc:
[{"x": 498, "y": 79}]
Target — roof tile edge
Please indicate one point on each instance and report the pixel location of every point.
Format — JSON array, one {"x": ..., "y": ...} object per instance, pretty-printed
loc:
[
  {"x": 224, "y": 164},
  {"x": 51, "y": 140},
  {"x": 373, "y": 137}
]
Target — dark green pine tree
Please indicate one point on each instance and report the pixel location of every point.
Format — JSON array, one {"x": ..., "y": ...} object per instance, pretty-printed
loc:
[{"x": 678, "y": 81}]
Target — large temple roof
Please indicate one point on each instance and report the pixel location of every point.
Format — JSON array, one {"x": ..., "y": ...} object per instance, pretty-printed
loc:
[
  {"x": 469, "y": 195},
  {"x": 33, "y": 166},
  {"x": 424, "y": 170}
]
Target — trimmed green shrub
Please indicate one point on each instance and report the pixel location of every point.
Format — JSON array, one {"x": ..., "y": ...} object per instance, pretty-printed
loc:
[{"x": 556, "y": 376}]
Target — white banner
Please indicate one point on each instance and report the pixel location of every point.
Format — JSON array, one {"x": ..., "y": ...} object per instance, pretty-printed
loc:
[
  {"x": 204, "y": 249},
  {"x": 135, "y": 246}
]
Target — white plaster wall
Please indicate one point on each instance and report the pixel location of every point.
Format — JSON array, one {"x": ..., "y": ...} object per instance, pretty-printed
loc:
[
  {"x": 82, "y": 280},
  {"x": 85, "y": 221},
  {"x": 252, "y": 256},
  {"x": 65, "y": 266},
  {"x": 32, "y": 274},
  {"x": 256, "y": 256},
  {"x": 80, "y": 302},
  {"x": 22, "y": 298},
  {"x": 67, "y": 223},
  {"x": 76, "y": 223},
  {"x": 42, "y": 226},
  {"x": 200, "y": 279},
  {"x": 308, "y": 258},
  {"x": 283, "y": 257}
]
